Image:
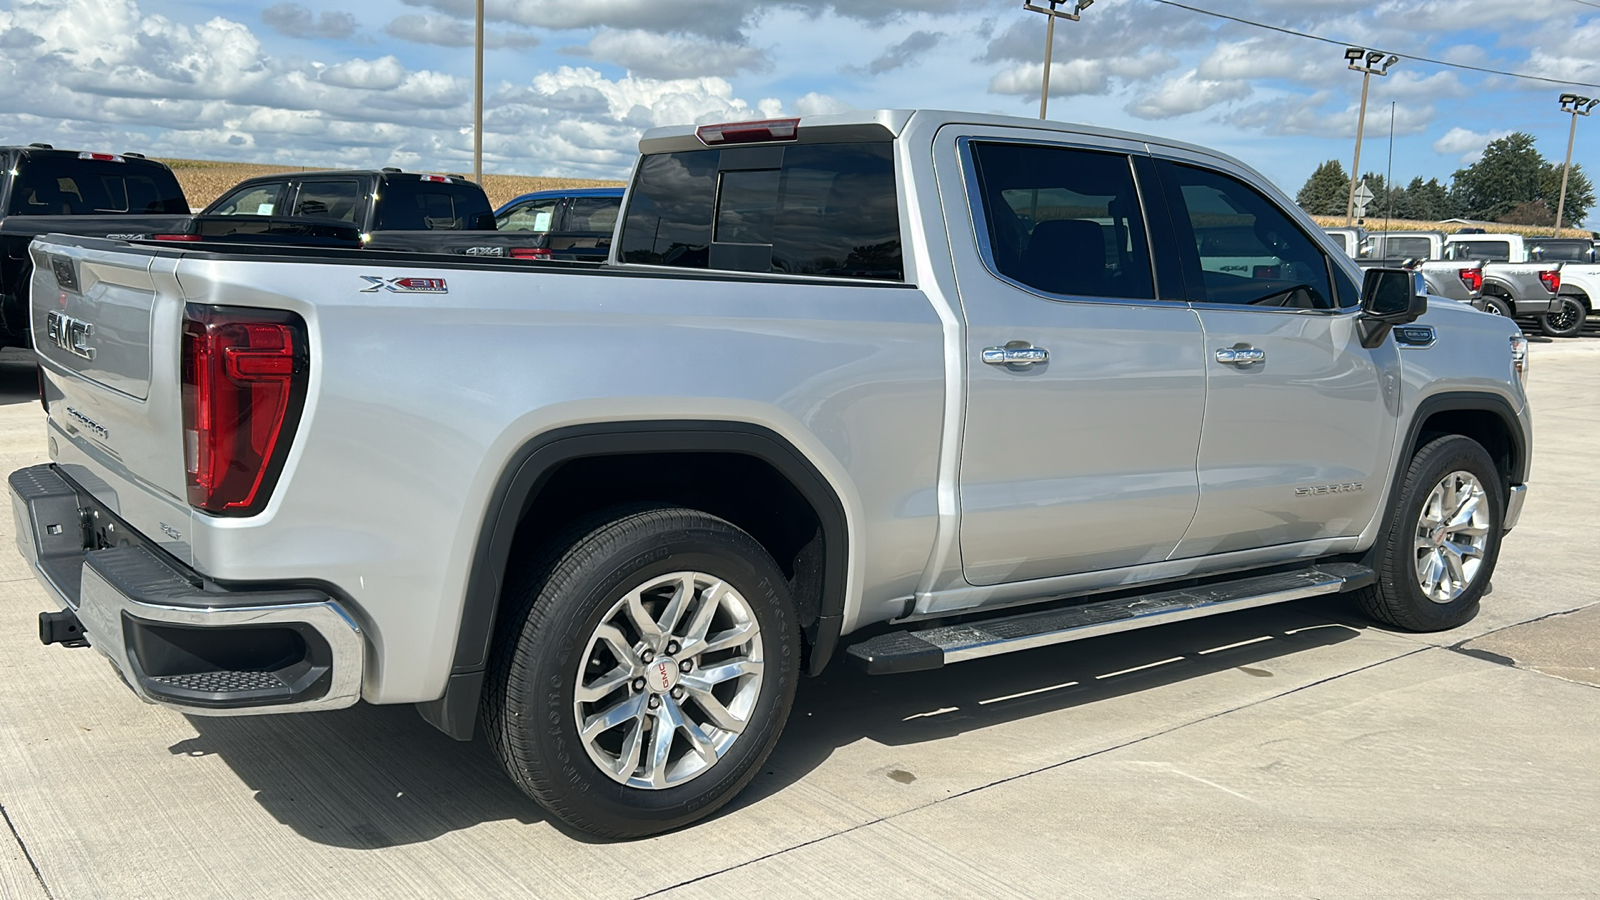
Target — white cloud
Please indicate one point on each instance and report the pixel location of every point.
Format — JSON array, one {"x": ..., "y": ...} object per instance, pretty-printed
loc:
[
  {"x": 815, "y": 104},
  {"x": 672, "y": 56},
  {"x": 1466, "y": 144},
  {"x": 382, "y": 74},
  {"x": 1188, "y": 93}
]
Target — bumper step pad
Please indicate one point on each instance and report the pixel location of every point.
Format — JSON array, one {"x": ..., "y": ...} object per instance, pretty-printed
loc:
[{"x": 931, "y": 647}]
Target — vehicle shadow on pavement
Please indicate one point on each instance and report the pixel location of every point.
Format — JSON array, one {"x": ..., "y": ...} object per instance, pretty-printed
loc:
[
  {"x": 370, "y": 776},
  {"x": 19, "y": 377},
  {"x": 845, "y": 705},
  {"x": 362, "y": 778}
]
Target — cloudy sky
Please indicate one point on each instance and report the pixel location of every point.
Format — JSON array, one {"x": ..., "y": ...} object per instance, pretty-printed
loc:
[{"x": 571, "y": 83}]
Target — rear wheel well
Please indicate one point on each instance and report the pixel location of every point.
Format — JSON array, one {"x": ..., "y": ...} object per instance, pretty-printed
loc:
[{"x": 746, "y": 491}]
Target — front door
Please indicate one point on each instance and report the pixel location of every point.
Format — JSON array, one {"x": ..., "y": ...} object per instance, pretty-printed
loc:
[
  {"x": 1085, "y": 390},
  {"x": 1300, "y": 418}
]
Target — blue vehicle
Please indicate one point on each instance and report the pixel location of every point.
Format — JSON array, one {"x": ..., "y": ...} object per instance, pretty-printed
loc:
[{"x": 576, "y": 224}]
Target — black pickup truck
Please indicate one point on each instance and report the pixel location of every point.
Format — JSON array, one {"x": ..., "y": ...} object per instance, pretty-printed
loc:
[
  {"x": 48, "y": 191},
  {"x": 383, "y": 209}
]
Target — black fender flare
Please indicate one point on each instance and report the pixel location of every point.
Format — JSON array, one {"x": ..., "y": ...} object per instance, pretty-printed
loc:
[
  {"x": 527, "y": 472},
  {"x": 1457, "y": 401}
]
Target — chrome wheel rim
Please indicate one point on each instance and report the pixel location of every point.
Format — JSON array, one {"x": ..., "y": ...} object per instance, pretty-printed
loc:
[
  {"x": 669, "y": 680},
  {"x": 1452, "y": 535},
  {"x": 1492, "y": 309}
]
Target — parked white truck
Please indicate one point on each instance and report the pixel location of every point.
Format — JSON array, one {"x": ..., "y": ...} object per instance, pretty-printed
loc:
[{"x": 935, "y": 385}]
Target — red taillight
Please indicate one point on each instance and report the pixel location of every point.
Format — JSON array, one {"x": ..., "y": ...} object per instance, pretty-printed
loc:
[
  {"x": 530, "y": 253},
  {"x": 176, "y": 237},
  {"x": 1472, "y": 278},
  {"x": 244, "y": 382},
  {"x": 1552, "y": 280},
  {"x": 748, "y": 132}
]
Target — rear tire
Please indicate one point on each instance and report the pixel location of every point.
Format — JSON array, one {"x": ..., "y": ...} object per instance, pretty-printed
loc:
[
  {"x": 1499, "y": 306},
  {"x": 599, "y": 701},
  {"x": 1566, "y": 320},
  {"x": 1438, "y": 551}
]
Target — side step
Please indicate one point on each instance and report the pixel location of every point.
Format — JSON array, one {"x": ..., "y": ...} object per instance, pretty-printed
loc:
[{"x": 930, "y": 648}]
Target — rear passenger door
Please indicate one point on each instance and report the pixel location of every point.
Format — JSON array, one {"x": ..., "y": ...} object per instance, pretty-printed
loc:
[
  {"x": 1085, "y": 386},
  {"x": 1299, "y": 417}
]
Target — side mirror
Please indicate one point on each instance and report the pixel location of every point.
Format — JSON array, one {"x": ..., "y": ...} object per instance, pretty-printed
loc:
[{"x": 1390, "y": 297}]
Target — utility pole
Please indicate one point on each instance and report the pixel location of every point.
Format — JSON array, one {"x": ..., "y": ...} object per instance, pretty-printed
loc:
[
  {"x": 477, "y": 101},
  {"x": 1052, "y": 12},
  {"x": 1368, "y": 63},
  {"x": 1577, "y": 106}
]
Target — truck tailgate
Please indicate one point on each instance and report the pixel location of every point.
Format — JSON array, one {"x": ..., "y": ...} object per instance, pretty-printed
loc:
[{"x": 106, "y": 320}]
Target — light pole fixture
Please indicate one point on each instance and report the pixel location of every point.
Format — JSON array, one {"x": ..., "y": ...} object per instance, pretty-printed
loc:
[
  {"x": 1576, "y": 106},
  {"x": 1053, "y": 11},
  {"x": 1368, "y": 63},
  {"x": 477, "y": 100}
]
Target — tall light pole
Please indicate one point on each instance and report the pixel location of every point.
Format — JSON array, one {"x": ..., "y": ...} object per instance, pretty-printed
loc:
[
  {"x": 1368, "y": 63},
  {"x": 1052, "y": 12},
  {"x": 477, "y": 100},
  {"x": 1577, "y": 106}
]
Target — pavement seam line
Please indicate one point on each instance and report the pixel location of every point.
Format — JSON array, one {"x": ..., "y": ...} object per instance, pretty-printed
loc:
[
  {"x": 26, "y": 854},
  {"x": 1055, "y": 765}
]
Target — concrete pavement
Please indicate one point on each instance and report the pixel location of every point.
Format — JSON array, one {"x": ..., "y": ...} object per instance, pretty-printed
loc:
[{"x": 1293, "y": 750}]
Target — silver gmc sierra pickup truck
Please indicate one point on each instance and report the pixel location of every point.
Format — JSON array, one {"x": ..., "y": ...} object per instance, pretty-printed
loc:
[{"x": 902, "y": 388}]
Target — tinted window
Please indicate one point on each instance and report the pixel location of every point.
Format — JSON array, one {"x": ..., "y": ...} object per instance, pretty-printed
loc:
[
  {"x": 1064, "y": 221},
  {"x": 407, "y": 205},
  {"x": 818, "y": 209},
  {"x": 1248, "y": 250},
  {"x": 1488, "y": 251},
  {"x": 254, "y": 200},
  {"x": 1569, "y": 251},
  {"x": 57, "y": 186},
  {"x": 1408, "y": 247},
  {"x": 329, "y": 199},
  {"x": 1342, "y": 239},
  {"x": 592, "y": 214},
  {"x": 535, "y": 215}
]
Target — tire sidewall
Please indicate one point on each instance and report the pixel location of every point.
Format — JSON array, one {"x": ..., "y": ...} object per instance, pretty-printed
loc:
[
  {"x": 1428, "y": 468},
  {"x": 556, "y": 759}
]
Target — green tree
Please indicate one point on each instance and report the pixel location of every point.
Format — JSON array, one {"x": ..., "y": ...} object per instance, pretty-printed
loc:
[
  {"x": 1428, "y": 201},
  {"x": 1580, "y": 195},
  {"x": 1511, "y": 173},
  {"x": 1326, "y": 191}
]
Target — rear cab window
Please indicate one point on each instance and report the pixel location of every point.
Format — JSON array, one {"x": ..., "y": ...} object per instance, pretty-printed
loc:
[
  {"x": 69, "y": 186},
  {"x": 828, "y": 209},
  {"x": 412, "y": 203},
  {"x": 1488, "y": 251}
]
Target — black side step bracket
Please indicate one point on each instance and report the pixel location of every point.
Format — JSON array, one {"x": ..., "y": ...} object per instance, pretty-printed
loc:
[{"x": 930, "y": 648}]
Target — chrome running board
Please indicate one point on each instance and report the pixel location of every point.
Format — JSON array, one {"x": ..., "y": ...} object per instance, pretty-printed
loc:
[{"x": 930, "y": 648}]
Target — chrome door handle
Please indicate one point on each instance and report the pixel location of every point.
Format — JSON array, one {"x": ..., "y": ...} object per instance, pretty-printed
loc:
[
  {"x": 1242, "y": 357},
  {"x": 1015, "y": 354}
]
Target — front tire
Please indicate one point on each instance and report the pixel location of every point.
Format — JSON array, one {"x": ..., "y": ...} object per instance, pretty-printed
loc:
[
  {"x": 1436, "y": 556},
  {"x": 1566, "y": 320},
  {"x": 648, "y": 666}
]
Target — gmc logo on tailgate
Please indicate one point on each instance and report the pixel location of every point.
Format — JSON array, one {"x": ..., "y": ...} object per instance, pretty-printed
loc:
[{"x": 71, "y": 335}]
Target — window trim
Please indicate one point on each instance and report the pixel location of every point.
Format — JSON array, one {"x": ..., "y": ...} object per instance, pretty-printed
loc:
[
  {"x": 980, "y": 218},
  {"x": 1191, "y": 258}
]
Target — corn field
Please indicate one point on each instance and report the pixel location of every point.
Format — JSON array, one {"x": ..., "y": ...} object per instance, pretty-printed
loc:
[
  {"x": 1377, "y": 223},
  {"x": 204, "y": 181}
]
